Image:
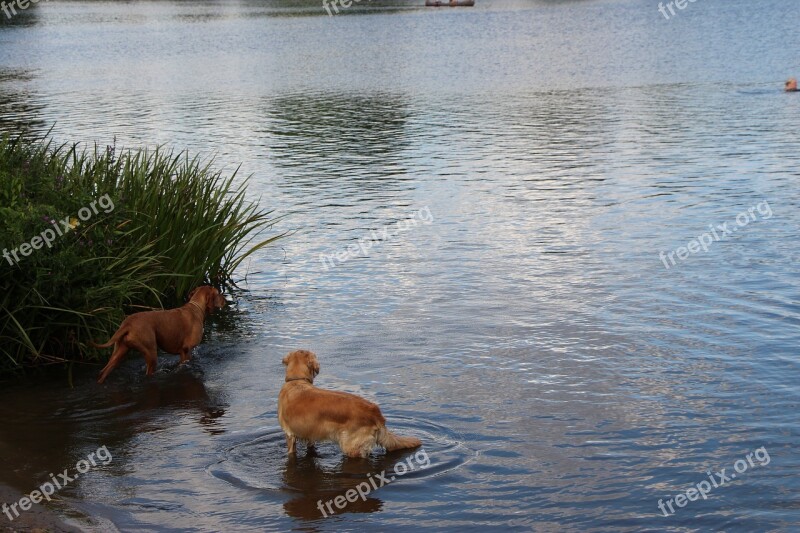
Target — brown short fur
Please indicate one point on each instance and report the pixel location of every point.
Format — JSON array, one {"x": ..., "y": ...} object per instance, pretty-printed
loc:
[
  {"x": 308, "y": 413},
  {"x": 176, "y": 331}
]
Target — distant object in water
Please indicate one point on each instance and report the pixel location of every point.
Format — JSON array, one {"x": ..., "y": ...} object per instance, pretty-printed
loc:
[
  {"x": 451, "y": 3},
  {"x": 791, "y": 85}
]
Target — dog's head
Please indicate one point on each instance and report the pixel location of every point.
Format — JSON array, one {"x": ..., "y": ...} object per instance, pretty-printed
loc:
[
  {"x": 301, "y": 364},
  {"x": 210, "y": 297}
]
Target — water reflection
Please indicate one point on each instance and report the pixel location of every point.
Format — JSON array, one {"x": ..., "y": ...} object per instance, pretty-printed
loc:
[
  {"x": 55, "y": 426},
  {"x": 338, "y": 140},
  {"x": 20, "y": 109},
  {"x": 182, "y": 388},
  {"x": 304, "y": 474}
]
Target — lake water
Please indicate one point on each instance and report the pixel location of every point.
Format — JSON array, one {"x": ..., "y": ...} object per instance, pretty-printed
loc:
[{"x": 563, "y": 375}]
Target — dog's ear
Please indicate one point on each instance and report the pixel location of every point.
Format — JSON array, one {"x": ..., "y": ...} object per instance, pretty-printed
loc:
[
  {"x": 285, "y": 360},
  {"x": 212, "y": 294},
  {"x": 219, "y": 301},
  {"x": 313, "y": 365}
]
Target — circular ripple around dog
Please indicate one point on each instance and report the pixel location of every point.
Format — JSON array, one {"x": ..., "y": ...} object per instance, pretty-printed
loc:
[{"x": 262, "y": 463}]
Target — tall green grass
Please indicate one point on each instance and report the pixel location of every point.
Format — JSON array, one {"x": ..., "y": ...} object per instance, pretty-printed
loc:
[{"x": 176, "y": 223}]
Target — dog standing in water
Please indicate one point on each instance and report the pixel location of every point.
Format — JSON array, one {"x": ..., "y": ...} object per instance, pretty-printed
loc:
[
  {"x": 312, "y": 415},
  {"x": 175, "y": 331}
]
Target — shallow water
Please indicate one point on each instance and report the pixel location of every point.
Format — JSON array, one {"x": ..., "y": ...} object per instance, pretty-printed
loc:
[{"x": 524, "y": 326}]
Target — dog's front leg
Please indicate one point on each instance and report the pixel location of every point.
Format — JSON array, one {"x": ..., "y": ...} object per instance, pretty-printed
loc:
[{"x": 290, "y": 443}]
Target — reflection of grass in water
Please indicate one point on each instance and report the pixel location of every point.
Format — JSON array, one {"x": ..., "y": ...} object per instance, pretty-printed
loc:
[{"x": 174, "y": 224}]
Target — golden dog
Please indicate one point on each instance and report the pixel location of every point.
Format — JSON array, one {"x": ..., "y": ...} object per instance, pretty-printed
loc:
[
  {"x": 175, "y": 331},
  {"x": 311, "y": 414}
]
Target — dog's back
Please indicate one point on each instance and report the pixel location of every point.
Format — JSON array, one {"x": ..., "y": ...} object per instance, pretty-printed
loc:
[{"x": 316, "y": 414}]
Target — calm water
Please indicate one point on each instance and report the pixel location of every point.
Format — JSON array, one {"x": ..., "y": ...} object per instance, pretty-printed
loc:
[{"x": 560, "y": 376}]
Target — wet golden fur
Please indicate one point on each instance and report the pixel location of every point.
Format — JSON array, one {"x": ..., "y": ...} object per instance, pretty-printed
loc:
[{"x": 311, "y": 414}]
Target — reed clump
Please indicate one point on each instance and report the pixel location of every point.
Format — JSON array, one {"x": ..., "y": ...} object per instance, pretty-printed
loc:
[{"x": 117, "y": 233}]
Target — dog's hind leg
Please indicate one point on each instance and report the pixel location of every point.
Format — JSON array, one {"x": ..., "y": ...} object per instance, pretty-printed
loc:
[
  {"x": 358, "y": 444},
  {"x": 149, "y": 350},
  {"x": 311, "y": 449},
  {"x": 120, "y": 349},
  {"x": 357, "y": 451}
]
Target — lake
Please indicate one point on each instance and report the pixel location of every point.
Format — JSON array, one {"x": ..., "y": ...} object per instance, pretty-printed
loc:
[{"x": 555, "y": 240}]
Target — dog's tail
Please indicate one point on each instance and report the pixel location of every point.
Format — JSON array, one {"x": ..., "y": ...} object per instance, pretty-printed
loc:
[
  {"x": 391, "y": 442},
  {"x": 113, "y": 340}
]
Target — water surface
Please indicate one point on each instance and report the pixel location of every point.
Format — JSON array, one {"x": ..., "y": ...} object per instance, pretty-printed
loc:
[{"x": 528, "y": 331}]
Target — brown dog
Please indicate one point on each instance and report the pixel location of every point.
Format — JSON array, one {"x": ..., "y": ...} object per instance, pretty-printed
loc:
[
  {"x": 175, "y": 331},
  {"x": 311, "y": 414}
]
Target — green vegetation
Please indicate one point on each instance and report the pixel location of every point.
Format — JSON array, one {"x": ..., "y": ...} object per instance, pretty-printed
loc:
[{"x": 159, "y": 224}]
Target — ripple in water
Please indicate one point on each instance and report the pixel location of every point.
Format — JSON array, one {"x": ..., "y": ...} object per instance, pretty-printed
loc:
[{"x": 261, "y": 463}]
